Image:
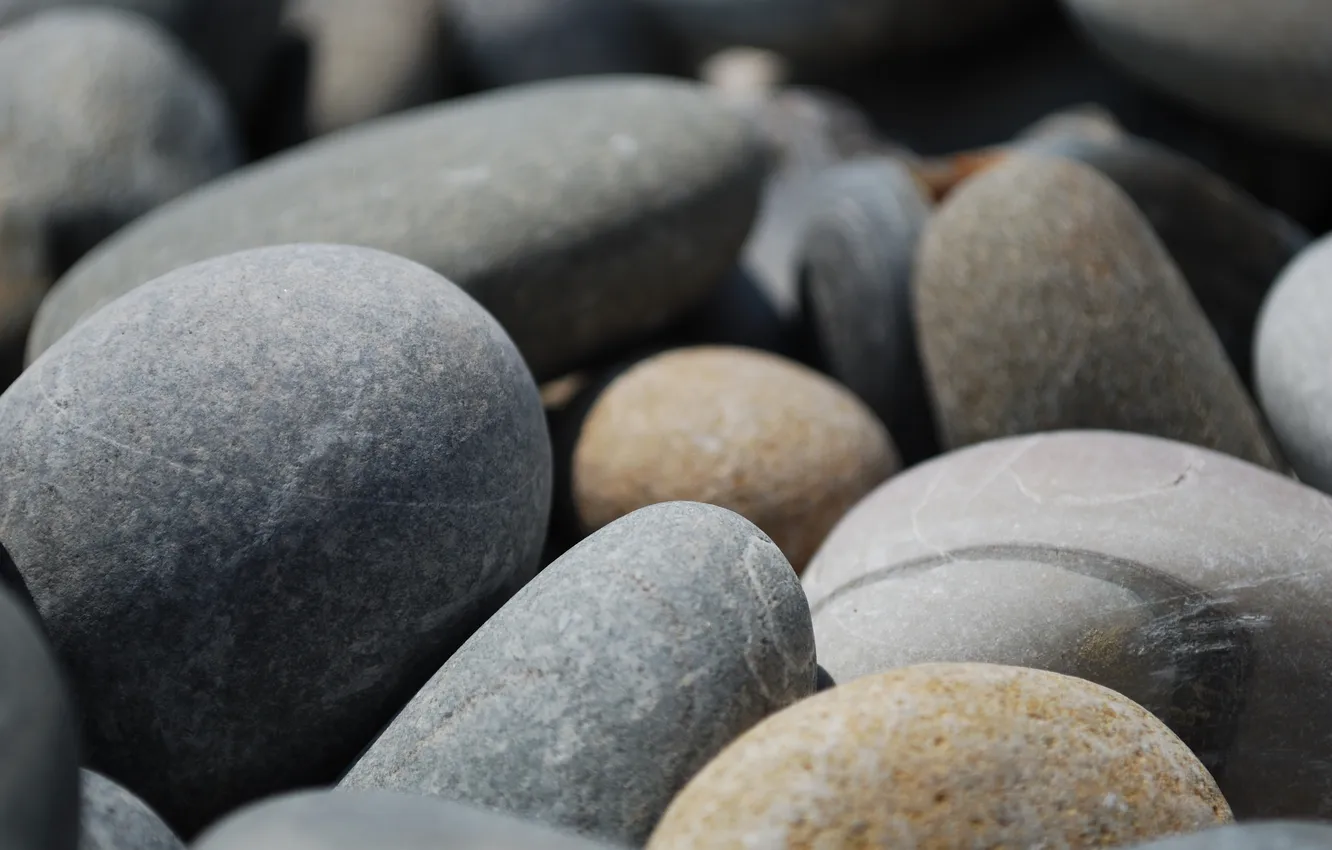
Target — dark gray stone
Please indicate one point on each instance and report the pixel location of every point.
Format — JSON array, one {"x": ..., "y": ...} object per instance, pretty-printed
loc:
[
  {"x": 1195, "y": 584},
  {"x": 581, "y": 213},
  {"x": 258, "y": 501},
  {"x": 361, "y": 820},
  {"x": 1268, "y": 835},
  {"x": 606, "y": 683},
  {"x": 112, "y": 818},
  {"x": 39, "y": 782},
  {"x": 1044, "y": 300}
]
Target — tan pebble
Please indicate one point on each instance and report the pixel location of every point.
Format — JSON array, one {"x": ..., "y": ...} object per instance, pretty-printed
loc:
[{"x": 948, "y": 756}]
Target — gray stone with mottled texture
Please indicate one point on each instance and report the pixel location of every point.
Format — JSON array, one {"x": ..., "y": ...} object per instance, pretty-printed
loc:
[{"x": 112, "y": 818}]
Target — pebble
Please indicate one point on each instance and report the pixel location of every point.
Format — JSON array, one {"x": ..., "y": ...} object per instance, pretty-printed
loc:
[
  {"x": 1258, "y": 63},
  {"x": 606, "y": 683},
  {"x": 948, "y": 755},
  {"x": 1044, "y": 300},
  {"x": 581, "y": 213},
  {"x": 114, "y": 819},
  {"x": 777, "y": 443},
  {"x": 370, "y": 59},
  {"x": 1270, "y": 835},
  {"x": 39, "y": 789},
  {"x": 1291, "y": 361},
  {"x": 258, "y": 500},
  {"x": 1190, "y": 582}
]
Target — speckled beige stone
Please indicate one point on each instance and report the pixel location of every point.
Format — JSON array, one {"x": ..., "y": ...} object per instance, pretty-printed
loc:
[
  {"x": 779, "y": 444},
  {"x": 948, "y": 756}
]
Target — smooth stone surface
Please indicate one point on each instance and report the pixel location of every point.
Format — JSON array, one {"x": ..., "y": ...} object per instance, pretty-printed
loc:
[
  {"x": 606, "y": 683},
  {"x": 655, "y": 189},
  {"x": 948, "y": 755},
  {"x": 361, "y": 820},
  {"x": 1270, "y": 835},
  {"x": 1089, "y": 121},
  {"x": 39, "y": 779},
  {"x": 1293, "y": 363},
  {"x": 777, "y": 443},
  {"x": 1262, "y": 63},
  {"x": 111, "y": 818},
  {"x": 370, "y": 59},
  {"x": 1195, "y": 584},
  {"x": 258, "y": 500},
  {"x": 1044, "y": 300}
]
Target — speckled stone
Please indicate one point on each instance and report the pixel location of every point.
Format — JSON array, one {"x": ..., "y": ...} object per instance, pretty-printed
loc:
[
  {"x": 948, "y": 755},
  {"x": 258, "y": 500},
  {"x": 1268, "y": 835},
  {"x": 604, "y": 685},
  {"x": 1193, "y": 583},
  {"x": 111, "y": 818},
  {"x": 1293, "y": 363},
  {"x": 1262, "y": 63},
  {"x": 360, "y": 820},
  {"x": 777, "y": 443},
  {"x": 580, "y": 213},
  {"x": 39, "y": 785},
  {"x": 1044, "y": 300},
  {"x": 370, "y": 59}
]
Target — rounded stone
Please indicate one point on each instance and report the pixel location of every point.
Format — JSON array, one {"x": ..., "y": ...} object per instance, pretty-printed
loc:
[
  {"x": 1291, "y": 361},
  {"x": 39, "y": 786},
  {"x": 112, "y": 818},
  {"x": 580, "y": 213},
  {"x": 1265, "y": 835},
  {"x": 1044, "y": 300},
  {"x": 1257, "y": 62},
  {"x": 278, "y": 482},
  {"x": 777, "y": 443},
  {"x": 1191, "y": 582},
  {"x": 591, "y": 698},
  {"x": 948, "y": 755}
]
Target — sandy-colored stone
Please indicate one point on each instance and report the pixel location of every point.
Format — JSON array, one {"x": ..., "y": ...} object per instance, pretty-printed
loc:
[
  {"x": 777, "y": 443},
  {"x": 947, "y": 756}
]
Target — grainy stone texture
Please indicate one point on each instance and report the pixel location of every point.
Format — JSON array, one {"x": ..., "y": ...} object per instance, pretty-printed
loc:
[
  {"x": 258, "y": 500},
  {"x": 1044, "y": 300},
  {"x": 606, "y": 683},
  {"x": 1195, "y": 584},
  {"x": 1260, "y": 62},
  {"x": 1268, "y": 835},
  {"x": 777, "y": 443},
  {"x": 580, "y": 213},
  {"x": 111, "y": 818},
  {"x": 948, "y": 755},
  {"x": 1293, "y": 363},
  {"x": 39, "y": 776},
  {"x": 370, "y": 59},
  {"x": 361, "y": 820}
]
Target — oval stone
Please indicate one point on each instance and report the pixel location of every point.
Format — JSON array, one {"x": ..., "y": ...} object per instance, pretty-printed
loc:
[
  {"x": 948, "y": 755},
  {"x": 777, "y": 443},
  {"x": 1189, "y": 581},
  {"x": 258, "y": 501},
  {"x": 606, "y": 683},
  {"x": 1264, "y": 835},
  {"x": 1044, "y": 300},
  {"x": 112, "y": 818},
  {"x": 580, "y": 213}
]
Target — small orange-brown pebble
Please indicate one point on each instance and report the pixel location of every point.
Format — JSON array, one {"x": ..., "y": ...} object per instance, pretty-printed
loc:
[
  {"x": 943, "y": 756},
  {"x": 779, "y": 444}
]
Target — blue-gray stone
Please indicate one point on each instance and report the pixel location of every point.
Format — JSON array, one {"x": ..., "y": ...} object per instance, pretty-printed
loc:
[{"x": 112, "y": 818}]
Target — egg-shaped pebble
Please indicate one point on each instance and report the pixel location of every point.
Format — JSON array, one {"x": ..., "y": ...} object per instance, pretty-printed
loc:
[
  {"x": 112, "y": 818},
  {"x": 1255, "y": 835},
  {"x": 948, "y": 755},
  {"x": 608, "y": 681},
  {"x": 257, "y": 501},
  {"x": 774, "y": 441}
]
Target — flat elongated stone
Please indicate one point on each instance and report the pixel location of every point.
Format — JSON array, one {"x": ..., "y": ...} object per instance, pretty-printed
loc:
[
  {"x": 111, "y": 818},
  {"x": 580, "y": 213},
  {"x": 1195, "y": 584},
  {"x": 599, "y": 689},
  {"x": 1268, "y": 835},
  {"x": 948, "y": 755},
  {"x": 258, "y": 501}
]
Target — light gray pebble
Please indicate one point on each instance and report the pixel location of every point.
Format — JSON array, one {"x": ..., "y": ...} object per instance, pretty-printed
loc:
[
  {"x": 112, "y": 818},
  {"x": 1262, "y": 835}
]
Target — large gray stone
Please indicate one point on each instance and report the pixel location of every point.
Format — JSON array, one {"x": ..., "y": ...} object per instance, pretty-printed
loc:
[
  {"x": 606, "y": 683},
  {"x": 1265, "y": 835},
  {"x": 257, "y": 501},
  {"x": 1044, "y": 300},
  {"x": 361, "y": 820},
  {"x": 39, "y": 773},
  {"x": 581, "y": 213},
  {"x": 1195, "y": 584},
  {"x": 111, "y": 818}
]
